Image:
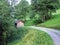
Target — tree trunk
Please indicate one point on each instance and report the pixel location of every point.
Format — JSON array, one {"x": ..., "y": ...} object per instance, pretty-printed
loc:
[
  {"x": 46, "y": 15},
  {"x": 50, "y": 14},
  {"x": 43, "y": 18},
  {"x": 4, "y": 38}
]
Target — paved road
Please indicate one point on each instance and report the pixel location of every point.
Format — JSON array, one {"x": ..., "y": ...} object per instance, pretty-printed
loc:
[{"x": 54, "y": 34}]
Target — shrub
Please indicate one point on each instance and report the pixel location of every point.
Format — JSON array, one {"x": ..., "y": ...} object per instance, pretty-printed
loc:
[{"x": 15, "y": 34}]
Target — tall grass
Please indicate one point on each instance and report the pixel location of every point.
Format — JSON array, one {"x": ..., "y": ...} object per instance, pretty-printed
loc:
[{"x": 32, "y": 37}]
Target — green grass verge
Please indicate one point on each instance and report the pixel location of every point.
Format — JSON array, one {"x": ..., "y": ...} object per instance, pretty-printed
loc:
[
  {"x": 52, "y": 23},
  {"x": 29, "y": 23},
  {"x": 33, "y": 37}
]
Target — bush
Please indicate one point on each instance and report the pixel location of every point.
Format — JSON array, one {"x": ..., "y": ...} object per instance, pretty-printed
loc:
[
  {"x": 4, "y": 25},
  {"x": 15, "y": 34},
  {"x": 29, "y": 22},
  {"x": 32, "y": 22}
]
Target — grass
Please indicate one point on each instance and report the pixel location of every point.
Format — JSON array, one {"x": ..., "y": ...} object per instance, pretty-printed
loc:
[
  {"x": 29, "y": 23},
  {"x": 16, "y": 34},
  {"x": 52, "y": 23},
  {"x": 33, "y": 37}
]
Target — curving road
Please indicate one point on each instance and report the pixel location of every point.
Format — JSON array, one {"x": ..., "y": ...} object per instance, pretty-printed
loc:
[{"x": 54, "y": 34}]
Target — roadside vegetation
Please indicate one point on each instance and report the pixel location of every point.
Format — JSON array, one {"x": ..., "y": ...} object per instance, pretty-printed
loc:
[
  {"x": 52, "y": 23},
  {"x": 38, "y": 12},
  {"x": 28, "y": 36}
]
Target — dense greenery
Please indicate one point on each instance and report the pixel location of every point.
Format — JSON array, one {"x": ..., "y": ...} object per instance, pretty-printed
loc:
[
  {"x": 44, "y": 8},
  {"x": 4, "y": 14},
  {"x": 16, "y": 34},
  {"x": 29, "y": 36},
  {"x": 52, "y": 23},
  {"x": 4, "y": 20},
  {"x": 22, "y": 10},
  {"x": 38, "y": 11}
]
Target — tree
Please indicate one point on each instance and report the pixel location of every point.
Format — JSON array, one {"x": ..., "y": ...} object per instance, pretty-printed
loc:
[
  {"x": 4, "y": 14},
  {"x": 4, "y": 10},
  {"x": 4, "y": 20},
  {"x": 45, "y": 7},
  {"x": 22, "y": 10}
]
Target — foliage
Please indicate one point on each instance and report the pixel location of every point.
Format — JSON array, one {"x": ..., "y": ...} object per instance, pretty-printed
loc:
[
  {"x": 45, "y": 8},
  {"x": 4, "y": 20},
  {"x": 52, "y": 23},
  {"x": 4, "y": 14},
  {"x": 29, "y": 22},
  {"x": 22, "y": 10},
  {"x": 33, "y": 37},
  {"x": 16, "y": 34},
  {"x": 32, "y": 22}
]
